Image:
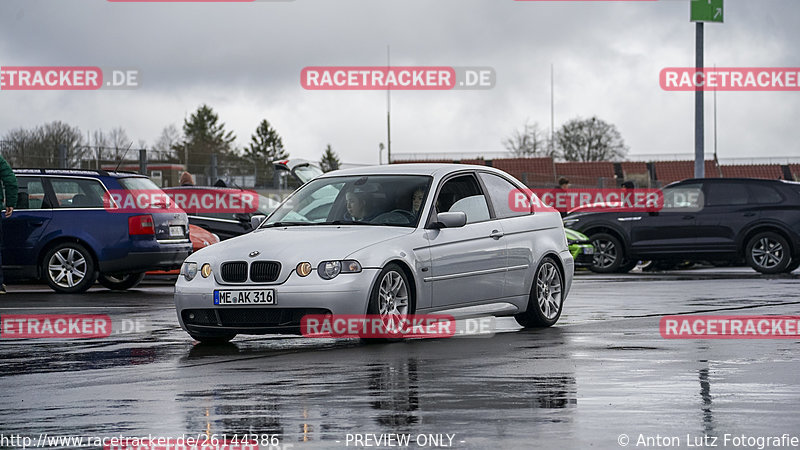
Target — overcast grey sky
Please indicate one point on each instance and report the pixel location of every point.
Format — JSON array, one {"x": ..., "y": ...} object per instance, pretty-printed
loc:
[{"x": 244, "y": 60}]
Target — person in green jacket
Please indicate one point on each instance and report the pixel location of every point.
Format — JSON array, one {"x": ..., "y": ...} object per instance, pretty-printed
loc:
[{"x": 9, "y": 187}]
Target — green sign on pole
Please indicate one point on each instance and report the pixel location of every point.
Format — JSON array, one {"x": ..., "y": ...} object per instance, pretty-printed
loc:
[{"x": 707, "y": 11}]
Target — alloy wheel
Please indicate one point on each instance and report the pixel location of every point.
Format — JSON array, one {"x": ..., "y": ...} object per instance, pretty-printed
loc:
[
  {"x": 548, "y": 290},
  {"x": 67, "y": 267}
]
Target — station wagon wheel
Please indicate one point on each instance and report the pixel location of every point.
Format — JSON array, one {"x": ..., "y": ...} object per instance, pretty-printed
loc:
[
  {"x": 547, "y": 296},
  {"x": 120, "y": 282},
  {"x": 69, "y": 267},
  {"x": 391, "y": 298},
  {"x": 768, "y": 253},
  {"x": 608, "y": 253}
]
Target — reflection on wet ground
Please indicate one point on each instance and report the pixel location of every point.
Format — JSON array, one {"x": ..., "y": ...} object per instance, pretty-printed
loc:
[{"x": 603, "y": 372}]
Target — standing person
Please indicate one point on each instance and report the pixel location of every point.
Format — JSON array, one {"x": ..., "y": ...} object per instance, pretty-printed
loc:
[
  {"x": 563, "y": 183},
  {"x": 9, "y": 182},
  {"x": 186, "y": 179}
]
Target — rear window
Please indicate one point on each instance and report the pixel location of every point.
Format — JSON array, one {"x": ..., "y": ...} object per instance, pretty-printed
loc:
[
  {"x": 137, "y": 183},
  {"x": 78, "y": 192}
]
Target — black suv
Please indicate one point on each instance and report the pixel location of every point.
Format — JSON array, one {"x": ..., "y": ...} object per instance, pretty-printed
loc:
[{"x": 710, "y": 219}]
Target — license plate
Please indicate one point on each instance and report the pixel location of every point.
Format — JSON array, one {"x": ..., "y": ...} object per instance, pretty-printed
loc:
[
  {"x": 260, "y": 297},
  {"x": 176, "y": 231},
  {"x": 588, "y": 250}
]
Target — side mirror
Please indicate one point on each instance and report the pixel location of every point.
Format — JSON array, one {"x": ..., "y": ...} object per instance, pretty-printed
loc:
[
  {"x": 455, "y": 219},
  {"x": 256, "y": 220}
]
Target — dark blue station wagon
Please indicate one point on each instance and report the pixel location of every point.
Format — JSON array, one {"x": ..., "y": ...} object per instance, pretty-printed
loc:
[{"x": 61, "y": 232}]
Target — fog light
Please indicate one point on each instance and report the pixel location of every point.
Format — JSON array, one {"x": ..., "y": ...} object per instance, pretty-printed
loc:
[
  {"x": 303, "y": 269},
  {"x": 205, "y": 271}
]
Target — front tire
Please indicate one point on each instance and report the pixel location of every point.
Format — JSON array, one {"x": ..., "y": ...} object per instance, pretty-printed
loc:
[
  {"x": 768, "y": 253},
  {"x": 609, "y": 255},
  {"x": 120, "y": 282},
  {"x": 391, "y": 298},
  {"x": 68, "y": 268},
  {"x": 547, "y": 297},
  {"x": 793, "y": 265}
]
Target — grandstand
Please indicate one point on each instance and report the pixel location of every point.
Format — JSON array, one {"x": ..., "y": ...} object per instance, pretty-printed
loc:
[{"x": 545, "y": 172}]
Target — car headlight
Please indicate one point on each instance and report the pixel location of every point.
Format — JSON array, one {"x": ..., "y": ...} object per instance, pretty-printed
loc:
[
  {"x": 189, "y": 270},
  {"x": 328, "y": 270}
]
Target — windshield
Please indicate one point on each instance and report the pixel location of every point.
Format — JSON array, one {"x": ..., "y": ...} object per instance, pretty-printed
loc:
[
  {"x": 361, "y": 200},
  {"x": 266, "y": 205}
]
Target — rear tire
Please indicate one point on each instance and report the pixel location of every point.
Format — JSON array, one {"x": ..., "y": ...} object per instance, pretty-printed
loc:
[
  {"x": 768, "y": 253},
  {"x": 120, "y": 282},
  {"x": 69, "y": 268},
  {"x": 608, "y": 253},
  {"x": 547, "y": 297}
]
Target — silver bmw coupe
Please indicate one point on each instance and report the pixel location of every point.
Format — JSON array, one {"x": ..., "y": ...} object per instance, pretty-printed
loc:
[{"x": 391, "y": 241}]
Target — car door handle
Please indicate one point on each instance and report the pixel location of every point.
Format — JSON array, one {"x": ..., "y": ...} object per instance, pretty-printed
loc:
[{"x": 496, "y": 234}]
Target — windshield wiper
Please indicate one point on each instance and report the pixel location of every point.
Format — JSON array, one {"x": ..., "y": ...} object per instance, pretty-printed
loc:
[
  {"x": 345, "y": 222},
  {"x": 286, "y": 224}
]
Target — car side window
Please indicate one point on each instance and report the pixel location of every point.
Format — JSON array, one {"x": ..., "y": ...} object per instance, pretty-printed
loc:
[
  {"x": 78, "y": 192},
  {"x": 499, "y": 190},
  {"x": 763, "y": 195},
  {"x": 686, "y": 197},
  {"x": 726, "y": 194},
  {"x": 31, "y": 194},
  {"x": 463, "y": 194}
]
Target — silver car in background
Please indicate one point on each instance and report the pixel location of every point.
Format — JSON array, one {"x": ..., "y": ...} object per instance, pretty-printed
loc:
[{"x": 390, "y": 240}]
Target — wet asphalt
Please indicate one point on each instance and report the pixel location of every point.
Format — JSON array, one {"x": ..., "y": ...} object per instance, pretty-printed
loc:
[{"x": 601, "y": 378}]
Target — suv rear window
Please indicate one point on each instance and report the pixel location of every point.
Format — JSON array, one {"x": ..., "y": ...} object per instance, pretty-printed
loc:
[
  {"x": 764, "y": 195},
  {"x": 723, "y": 194}
]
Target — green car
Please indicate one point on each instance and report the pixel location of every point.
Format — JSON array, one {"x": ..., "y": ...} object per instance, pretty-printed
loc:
[{"x": 581, "y": 248}]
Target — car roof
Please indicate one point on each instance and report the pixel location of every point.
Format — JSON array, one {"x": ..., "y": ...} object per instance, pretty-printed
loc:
[
  {"x": 78, "y": 172},
  {"x": 716, "y": 180},
  {"x": 205, "y": 188},
  {"x": 408, "y": 169}
]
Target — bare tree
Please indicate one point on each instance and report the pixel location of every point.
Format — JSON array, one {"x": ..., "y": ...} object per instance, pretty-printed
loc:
[
  {"x": 118, "y": 141},
  {"x": 164, "y": 148},
  {"x": 590, "y": 140},
  {"x": 528, "y": 142},
  {"x": 39, "y": 147}
]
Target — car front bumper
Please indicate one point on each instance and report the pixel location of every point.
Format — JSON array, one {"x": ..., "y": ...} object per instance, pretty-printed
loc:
[{"x": 298, "y": 296}]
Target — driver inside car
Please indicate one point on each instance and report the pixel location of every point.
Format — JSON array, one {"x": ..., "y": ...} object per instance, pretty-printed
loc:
[{"x": 358, "y": 207}]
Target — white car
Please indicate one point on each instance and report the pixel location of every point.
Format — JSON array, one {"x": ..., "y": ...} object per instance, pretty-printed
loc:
[{"x": 388, "y": 240}]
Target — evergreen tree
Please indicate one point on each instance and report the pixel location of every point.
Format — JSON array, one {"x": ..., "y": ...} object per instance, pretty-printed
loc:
[
  {"x": 330, "y": 160},
  {"x": 266, "y": 146},
  {"x": 204, "y": 135}
]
